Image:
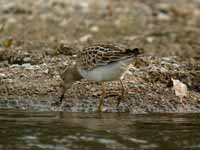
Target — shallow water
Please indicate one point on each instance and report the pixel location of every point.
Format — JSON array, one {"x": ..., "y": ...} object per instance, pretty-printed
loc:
[{"x": 87, "y": 131}]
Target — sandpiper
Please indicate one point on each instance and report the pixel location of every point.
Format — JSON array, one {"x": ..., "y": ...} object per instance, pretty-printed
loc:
[{"x": 101, "y": 63}]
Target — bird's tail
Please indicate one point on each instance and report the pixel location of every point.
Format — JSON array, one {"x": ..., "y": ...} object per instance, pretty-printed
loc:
[{"x": 133, "y": 52}]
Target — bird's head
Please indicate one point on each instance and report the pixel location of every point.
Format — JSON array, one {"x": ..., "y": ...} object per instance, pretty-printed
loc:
[{"x": 69, "y": 76}]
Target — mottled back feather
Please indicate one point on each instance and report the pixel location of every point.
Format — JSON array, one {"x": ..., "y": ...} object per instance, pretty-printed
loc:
[{"x": 103, "y": 54}]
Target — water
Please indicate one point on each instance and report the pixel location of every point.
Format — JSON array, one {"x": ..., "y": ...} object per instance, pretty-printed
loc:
[{"x": 24, "y": 130}]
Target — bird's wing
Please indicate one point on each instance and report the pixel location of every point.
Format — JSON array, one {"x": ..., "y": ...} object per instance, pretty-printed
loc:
[{"x": 103, "y": 54}]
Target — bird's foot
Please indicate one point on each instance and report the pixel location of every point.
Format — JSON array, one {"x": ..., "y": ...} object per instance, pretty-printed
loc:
[
  {"x": 101, "y": 102},
  {"x": 58, "y": 102}
]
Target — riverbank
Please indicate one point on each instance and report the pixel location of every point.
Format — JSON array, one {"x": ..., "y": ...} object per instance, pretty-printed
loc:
[{"x": 39, "y": 39}]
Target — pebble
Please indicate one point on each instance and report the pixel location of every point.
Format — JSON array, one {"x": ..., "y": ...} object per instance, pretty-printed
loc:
[
  {"x": 163, "y": 17},
  {"x": 94, "y": 29},
  {"x": 85, "y": 38},
  {"x": 27, "y": 59},
  {"x": 2, "y": 76},
  {"x": 150, "y": 39}
]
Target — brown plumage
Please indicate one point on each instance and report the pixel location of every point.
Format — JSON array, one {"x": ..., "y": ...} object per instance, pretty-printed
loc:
[
  {"x": 102, "y": 62},
  {"x": 103, "y": 54}
]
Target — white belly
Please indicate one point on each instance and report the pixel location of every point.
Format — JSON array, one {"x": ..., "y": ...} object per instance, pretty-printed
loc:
[{"x": 113, "y": 71}]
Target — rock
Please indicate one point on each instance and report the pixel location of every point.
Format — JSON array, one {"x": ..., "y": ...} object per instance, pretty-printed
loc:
[
  {"x": 85, "y": 38},
  {"x": 27, "y": 66},
  {"x": 27, "y": 59},
  {"x": 94, "y": 28},
  {"x": 2, "y": 76},
  {"x": 180, "y": 89},
  {"x": 163, "y": 16},
  {"x": 150, "y": 39}
]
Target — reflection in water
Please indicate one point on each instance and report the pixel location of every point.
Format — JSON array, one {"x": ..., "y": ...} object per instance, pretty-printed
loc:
[{"x": 60, "y": 130}]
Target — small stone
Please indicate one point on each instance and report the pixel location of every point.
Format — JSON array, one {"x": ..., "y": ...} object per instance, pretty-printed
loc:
[
  {"x": 15, "y": 66},
  {"x": 85, "y": 38},
  {"x": 27, "y": 66},
  {"x": 180, "y": 89},
  {"x": 27, "y": 59},
  {"x": 2, "y": 76},
  {"x": 163, "y": 17},
  {"x": 94, "y": 29},
  {"x": 150, "y": 39},
  {"x": 46, "y": 71}
]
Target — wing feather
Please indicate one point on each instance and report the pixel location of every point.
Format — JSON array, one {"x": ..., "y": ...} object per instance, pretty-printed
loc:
[{"x": 103, "y": 54}]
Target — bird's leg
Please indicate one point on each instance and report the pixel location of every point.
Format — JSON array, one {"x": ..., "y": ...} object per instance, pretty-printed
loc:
[
  {"x": 101, "y": 102},
  {"x": 122, "y": 92},
  {"x": 63, "y": 89}
]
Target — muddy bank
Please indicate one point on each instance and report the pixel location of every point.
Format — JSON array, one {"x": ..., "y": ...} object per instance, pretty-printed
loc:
[{"x": 39, "y": 39}]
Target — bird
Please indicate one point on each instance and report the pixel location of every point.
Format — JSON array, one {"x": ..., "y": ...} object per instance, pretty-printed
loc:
[{"x": 99, "y": 63}]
